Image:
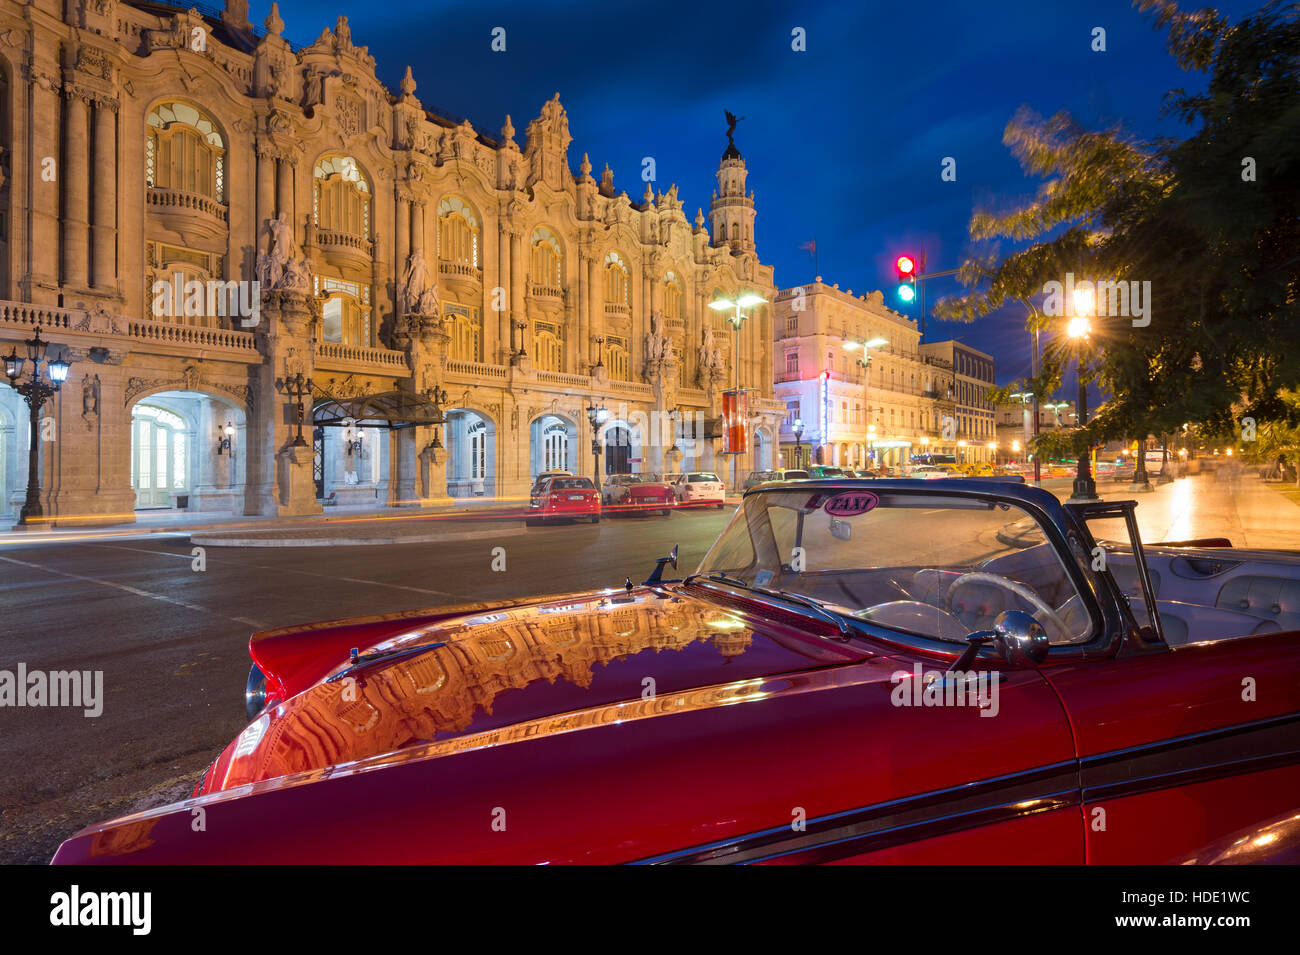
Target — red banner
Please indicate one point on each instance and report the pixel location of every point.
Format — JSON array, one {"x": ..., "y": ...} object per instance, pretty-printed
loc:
[{"x": 735, "y": 422}]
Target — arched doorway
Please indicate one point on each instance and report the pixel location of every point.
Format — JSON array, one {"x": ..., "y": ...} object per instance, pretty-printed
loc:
[
  {"x": 11, "y": 478},
  {"x": 187, "y": 453},
  {"x": 553, "y": 444},
  {"x": 762, "y": 450},
  {"x": 471, "y": 446},
  {"x": 161, "y": 452},
  {"x": 619, "y": 448}
]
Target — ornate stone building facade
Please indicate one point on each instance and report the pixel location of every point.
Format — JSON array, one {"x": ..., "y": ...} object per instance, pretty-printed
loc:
[{"x": 196, "y": 213}]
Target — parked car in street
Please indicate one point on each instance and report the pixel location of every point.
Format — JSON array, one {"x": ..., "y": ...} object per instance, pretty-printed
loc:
[
  {"x": 824, "y": 471},
  {"x": 948, "y": 675},
  {"x": 700, "y": 489},
  {"x": 564, "y": 497},
  {"x": 756, "y": 478},
  {"x": 637, "y": 493},
  {"x": 930, "y": 472},
  {"x": 542, "y": 478}
]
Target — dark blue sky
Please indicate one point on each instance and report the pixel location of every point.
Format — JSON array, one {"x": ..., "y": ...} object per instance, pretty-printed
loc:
[{"x": 843, "y": 141}]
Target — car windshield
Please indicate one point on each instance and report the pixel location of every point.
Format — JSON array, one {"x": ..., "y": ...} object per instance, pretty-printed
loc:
[
  {"x": 929, "y": 564},
  {"x": 626, "y": 479},
  {"x": 702, "y": 477},
  {"x": 571, "y": 484}
]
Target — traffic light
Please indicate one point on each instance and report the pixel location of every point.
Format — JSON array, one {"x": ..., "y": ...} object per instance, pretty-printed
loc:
[{"x": 906, "y": 266}]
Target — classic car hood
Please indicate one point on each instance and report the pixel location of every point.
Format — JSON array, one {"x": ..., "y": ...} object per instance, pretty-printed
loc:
[{"x": 511, "y": 666}]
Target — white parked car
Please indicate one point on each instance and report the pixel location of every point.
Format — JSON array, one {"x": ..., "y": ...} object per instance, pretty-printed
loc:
[
  {"x": 700, "y": 488},
  {"x": 928, "y": 472}
]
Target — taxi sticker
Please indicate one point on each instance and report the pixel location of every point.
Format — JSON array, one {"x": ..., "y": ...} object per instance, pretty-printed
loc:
[{"x": 850, "y": 503}]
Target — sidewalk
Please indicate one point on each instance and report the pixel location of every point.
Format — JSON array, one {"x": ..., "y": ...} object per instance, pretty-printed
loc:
[
  {"x": 463, "y": 519},
  {"x": 178, "y": 522},
  {"x": 1251, "y": 514}
]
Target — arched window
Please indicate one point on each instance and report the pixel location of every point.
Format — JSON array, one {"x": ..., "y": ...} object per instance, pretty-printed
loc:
[
  {"x": 342, "y": 196},
  {"x": 555, "y": 441},
  {"x": 616, "y": 280},
  {"x": 616, "y": 359},
  {"x": 477, "y": 434},
  {"x": 184, "y": 151},
  {"x": 548, "y": 347},
  {"x": 547, "y": 265},
  {"x": 735, "y": 232},
  {"x": 672, "y": 297},
  {"x": 464, "y": 323},
  {"x": 346, "y": 312},
  {"x": 458, "y": 232}
]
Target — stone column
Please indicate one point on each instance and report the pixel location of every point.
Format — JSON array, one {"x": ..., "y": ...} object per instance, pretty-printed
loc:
[
  {"x": 42, "y": 258},
  {"x": 577, "y": 315},
  {"x": 517, "y": 280},
  {"x": 279, "y": 473},
  {"x": 284, "y": 194},
  {"x": 75, "y": 176},
  {"x": 417, "y": 226},
  {"x": 401, "y": 468},
  {"x": 403, "y": 234},
  {"x": 265, "y": 193},
  {"x": 595, "y": 305},
  {"x": 104, "y": 259}
]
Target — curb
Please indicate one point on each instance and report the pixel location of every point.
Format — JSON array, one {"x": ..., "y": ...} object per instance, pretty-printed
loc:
[{"x": 215, "y": 540}]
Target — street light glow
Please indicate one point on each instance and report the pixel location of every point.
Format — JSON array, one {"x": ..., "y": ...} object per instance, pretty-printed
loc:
[
  {"x": 722, "y": 304},
  {"x": 1078, "y": 327},
  {"x": 749, "y": 300}
]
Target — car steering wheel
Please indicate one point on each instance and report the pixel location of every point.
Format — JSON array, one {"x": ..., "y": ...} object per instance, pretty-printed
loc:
[{"x": 1020, "y": 590}]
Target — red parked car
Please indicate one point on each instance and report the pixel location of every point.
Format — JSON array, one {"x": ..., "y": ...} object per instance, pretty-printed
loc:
[
  {"x": 637, "y": 494},
  {"x": 563, "y": 497},
  {"x": 858, "y": 671}
]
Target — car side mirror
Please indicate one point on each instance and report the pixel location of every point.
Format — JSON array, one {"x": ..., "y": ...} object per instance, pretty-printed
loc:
[{"x": 1019, "y": 639}]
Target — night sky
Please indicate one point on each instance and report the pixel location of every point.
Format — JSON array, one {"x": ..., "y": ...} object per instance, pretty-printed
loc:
[{"x": 843, "y": 142}]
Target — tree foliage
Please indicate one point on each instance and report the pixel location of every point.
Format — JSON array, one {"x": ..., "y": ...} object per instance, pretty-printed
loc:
[{"x": 1220, "y": 246}]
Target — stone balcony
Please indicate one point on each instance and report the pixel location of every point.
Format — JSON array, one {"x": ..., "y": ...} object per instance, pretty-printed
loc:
[
  {"x": 192, "y": 216},
  {"x": 344, "y": 250},
  {"x": 358, "y": 359}
]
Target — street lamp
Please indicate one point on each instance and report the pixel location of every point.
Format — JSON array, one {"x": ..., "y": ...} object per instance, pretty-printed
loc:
[
  {"x": 798, "y": 447},
  {"x": 1079, "y": 328},
  {"x": 738, "y": 308},
  {"x": 297, "y": 388},
  {"x": 864, "y": 362},
  {"x": 596, "y": 416},
  {"x": 35, "y": 392}
]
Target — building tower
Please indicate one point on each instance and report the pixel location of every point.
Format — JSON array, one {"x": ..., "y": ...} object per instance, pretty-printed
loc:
[{"x": 731, "y": 211}]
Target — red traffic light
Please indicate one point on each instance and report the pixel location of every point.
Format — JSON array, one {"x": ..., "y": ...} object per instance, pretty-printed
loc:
[{"x": 906, "y": 265}]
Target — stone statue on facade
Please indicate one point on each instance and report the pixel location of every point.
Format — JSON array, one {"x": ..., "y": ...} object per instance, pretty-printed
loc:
[{"x": 419, "y": 296}]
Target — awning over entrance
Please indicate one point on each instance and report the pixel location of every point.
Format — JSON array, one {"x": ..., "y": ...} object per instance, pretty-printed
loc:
[{"x": 390, "y": 409}]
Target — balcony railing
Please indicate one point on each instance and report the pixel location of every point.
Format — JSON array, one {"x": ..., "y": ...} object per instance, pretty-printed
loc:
[
  {"x": 45, "y": 316},
  {"x": 476, "y": 369},
  {"x": 460, "y": 270},
  {"x": 171, "y": 199},
  {"x": 545, "y": 291},
  {"x": 328, "y": 239},
  {"x": 339, "y": 351},
  {"x": 191, "y": 336}
]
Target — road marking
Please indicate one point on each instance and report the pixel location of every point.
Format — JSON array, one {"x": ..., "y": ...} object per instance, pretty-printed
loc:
[
  {"x": 282, "y": 569},
  {"x": 136, "y": 591}
]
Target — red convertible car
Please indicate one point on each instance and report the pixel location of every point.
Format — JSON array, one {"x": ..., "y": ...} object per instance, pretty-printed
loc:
[{"x": 858, "y": 671}]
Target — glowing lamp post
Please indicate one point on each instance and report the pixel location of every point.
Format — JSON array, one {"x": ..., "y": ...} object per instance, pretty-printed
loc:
[
  {"x": 735, "y": 404},
  {"x": 35, "y": 392},
  {"x": 1078, "y": 329}
]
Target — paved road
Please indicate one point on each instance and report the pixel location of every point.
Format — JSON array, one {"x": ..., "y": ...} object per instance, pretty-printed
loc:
[{"x": 172, "y": 643}]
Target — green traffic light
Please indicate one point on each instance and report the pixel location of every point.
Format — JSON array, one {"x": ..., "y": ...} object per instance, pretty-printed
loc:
[{"x": 906, "y": 293}]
